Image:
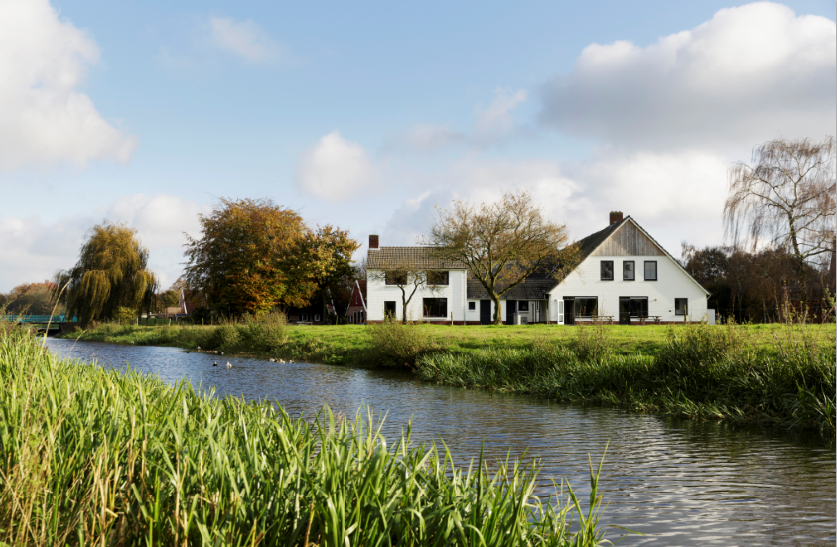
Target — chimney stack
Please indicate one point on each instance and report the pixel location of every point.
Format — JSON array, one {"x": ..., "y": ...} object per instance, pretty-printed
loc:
[
  {"x": 615, "y": 216},
  {"x": 373, "y": 241}
]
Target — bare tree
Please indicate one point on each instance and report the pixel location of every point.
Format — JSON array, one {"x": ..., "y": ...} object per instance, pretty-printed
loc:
[
  {"x": 408, "y": 277},
  {"x": 501, "y": 243},
  {"x": 785, "y": 197}
]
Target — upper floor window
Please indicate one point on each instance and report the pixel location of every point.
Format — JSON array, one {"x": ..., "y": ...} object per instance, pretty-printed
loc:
[
  {"x": 628, "y": 268},
  {"x": 650, "y": 270},
  {"x": 395, "y": 278},
  {"x": 607, "y": 270},
  {"x": 435, "y": 277},
  {"x": 681, "y": 306}
]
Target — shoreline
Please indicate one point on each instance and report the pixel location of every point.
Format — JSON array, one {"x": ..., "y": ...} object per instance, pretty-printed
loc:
[{"x": 764, "y": 374}]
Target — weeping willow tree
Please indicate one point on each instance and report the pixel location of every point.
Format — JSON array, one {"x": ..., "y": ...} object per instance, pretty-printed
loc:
[{"x": 111, "y": 273}]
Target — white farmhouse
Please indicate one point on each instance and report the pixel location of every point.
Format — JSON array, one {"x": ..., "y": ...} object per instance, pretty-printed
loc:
[{"x": 623, "y": 276}]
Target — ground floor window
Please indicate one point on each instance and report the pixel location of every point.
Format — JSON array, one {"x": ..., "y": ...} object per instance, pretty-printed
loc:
[
  {"x": 633, "y": 306},
  {"x": 585, "y": 306},
  {"x": 389, "y": 308},
  {"x": 522, "y": 305},
  {"x": 304, "y": 317},
  {"x": 681, "y": 306},
  {"x": 472, "y": 306},
  {"x": 435, "y": 307},
  {"x": 316, "y": 317}
]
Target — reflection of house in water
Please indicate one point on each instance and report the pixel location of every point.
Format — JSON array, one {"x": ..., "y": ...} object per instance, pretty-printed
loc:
[{"x": 623, "y": 275}]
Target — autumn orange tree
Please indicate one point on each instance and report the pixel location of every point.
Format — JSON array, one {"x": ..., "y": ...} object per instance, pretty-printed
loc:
[{"x": 250, "y": 257}]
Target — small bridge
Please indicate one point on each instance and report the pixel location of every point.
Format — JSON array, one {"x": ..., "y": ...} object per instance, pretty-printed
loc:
[{"x": 34, "y": 318}]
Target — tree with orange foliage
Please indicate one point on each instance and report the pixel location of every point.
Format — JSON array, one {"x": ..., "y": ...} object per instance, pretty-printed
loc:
[{"x": 250, "y": 257}]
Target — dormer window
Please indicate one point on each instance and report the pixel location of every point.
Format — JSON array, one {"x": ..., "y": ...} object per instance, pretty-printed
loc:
[{"x": 435, "y": 277}]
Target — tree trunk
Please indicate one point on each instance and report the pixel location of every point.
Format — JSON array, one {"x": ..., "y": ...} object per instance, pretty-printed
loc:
[
  {"x": 498, "y": 312},
  {"x": 404, "y": 303}
]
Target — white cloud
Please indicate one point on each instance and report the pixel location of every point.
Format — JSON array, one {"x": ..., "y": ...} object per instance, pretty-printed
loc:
[
  {"x": 496, "y": 119},
  {"x": 750, "y": 74},
  {"x": 244, "y": 38},
  {"x": 334, "y": 169},
  {"x": 43, "y": 117},
  {"x": 32, "y": 250}
]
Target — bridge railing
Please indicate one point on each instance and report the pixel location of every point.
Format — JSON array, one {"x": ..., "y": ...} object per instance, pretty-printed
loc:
[{"x": 36, "y": 318}]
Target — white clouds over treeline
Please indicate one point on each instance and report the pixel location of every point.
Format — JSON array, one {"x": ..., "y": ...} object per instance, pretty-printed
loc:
[{"x": 44, "y": 117}]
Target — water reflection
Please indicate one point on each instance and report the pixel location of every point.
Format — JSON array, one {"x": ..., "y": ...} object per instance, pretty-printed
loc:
[{"x": 679, "y": 482}]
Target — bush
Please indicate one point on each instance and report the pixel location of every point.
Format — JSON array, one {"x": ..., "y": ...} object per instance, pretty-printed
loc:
[
  {"x": 397, "y": 344},
  {"x": 125, "y": 316}
]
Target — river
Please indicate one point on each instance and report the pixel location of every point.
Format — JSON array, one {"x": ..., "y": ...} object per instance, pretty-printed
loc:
[{"x": 679, "y": 482}]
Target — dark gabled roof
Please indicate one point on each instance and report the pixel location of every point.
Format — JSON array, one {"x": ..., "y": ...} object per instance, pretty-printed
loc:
[
  {"x": 531, "y": 289},
  {"x": 591, "y": 242},
  {"x": 416, "y": 257}
]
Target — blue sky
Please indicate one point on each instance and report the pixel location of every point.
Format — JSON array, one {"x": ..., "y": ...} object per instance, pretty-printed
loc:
[{"x": 369, "y": 115}]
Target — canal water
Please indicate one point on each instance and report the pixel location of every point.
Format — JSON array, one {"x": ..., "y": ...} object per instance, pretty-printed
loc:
[{"x": 678, "y": 482}]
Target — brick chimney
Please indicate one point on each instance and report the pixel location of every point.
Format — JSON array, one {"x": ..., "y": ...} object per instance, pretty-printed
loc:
[
  {"x": 615, "y": 216},
  {"x": 373, "y": 241}
]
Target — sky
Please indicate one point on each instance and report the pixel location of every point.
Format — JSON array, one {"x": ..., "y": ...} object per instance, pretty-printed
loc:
[{"x": 373, "y": 116}]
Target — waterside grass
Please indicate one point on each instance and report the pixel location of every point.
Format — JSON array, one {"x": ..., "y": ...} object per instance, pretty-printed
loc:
[
  {"x": 95, "y": 456},
  {"x": 700, "y": 371}
]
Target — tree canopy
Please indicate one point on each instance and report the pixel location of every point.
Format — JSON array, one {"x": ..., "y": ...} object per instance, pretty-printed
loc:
[
  {"x": 111, "y": 272},
  {"x": 329, "y": 260},
  {"x": 30, "y": 298},
  {"x": 501, "y": 243}
]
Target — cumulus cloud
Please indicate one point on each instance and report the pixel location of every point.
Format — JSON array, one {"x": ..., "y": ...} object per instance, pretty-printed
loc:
[
  {"x": 244, "y": 38},
  {"x": 494, "y": 124},
  {"x": 43, "y": 117},
  {"x": 749, "y": 74},
  {"x": 334, "y": 169},
  {"x": 478, "y": 180},
  {"x": 33, "y": 250}
]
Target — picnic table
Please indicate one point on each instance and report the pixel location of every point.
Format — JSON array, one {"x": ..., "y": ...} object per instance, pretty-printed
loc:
[
  {"x": 595, "y": 318},
  {"x": 654, "y": 319}
]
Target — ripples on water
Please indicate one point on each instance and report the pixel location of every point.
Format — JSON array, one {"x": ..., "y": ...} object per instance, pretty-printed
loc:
[{"x": 678, "y": 482}]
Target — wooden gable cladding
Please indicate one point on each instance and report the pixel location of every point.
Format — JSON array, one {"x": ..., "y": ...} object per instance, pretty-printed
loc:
[{"x": 628, "y": 241}]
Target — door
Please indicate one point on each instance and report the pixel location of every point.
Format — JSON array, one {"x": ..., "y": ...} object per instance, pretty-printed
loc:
[
  {"x": 485, "y": 312},
  {"x": 389, "y": 308},
  {"x": 624, "y": 310},
  {"x": 511, "y": 309},
  {"x": 569, "y": 313}
]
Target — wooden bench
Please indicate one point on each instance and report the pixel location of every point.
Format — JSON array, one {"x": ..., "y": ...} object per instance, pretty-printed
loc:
[{"x": 594, "y": 319}]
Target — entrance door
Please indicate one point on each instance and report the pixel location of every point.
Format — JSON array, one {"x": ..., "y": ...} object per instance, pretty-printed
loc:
[
  {"x": 624, "y": 310},
  {"x": 569, "y": 311},
  {"x": 485, "y": 312},
  {"x": 511, "y": 309}
]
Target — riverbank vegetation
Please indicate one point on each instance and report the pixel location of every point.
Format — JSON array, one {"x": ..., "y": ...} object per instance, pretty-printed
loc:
[
  {"x": 95, "y": 456},
  {"x": 772, "y": 373}
]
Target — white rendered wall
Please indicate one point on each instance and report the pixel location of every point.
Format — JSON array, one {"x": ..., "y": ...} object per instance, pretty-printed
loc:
[
  {"x": 378, "y": 292},
  {"x": 672, "y": 282}
]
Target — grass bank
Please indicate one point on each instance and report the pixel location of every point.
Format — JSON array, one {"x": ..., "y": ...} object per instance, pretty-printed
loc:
[
  {"x": 94, "y": 456},
  {"x": 778, "y": 373},
  {"x": 698, "y": 371}
]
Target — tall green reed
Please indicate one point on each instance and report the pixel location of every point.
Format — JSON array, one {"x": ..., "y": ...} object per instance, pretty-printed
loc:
[{"x": 95, "y": 456}]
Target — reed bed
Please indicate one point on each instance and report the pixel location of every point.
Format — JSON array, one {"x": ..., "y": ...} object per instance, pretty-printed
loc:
[
  {"x": 103, "y": 457},
  {"x": 701, "y": 371}
]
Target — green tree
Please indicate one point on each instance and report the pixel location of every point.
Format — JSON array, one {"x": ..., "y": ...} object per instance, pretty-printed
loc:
[
  {"x": 31, "y": 298},
  {"x": 250, "y": 257},
  {"x": 111, "y": 272},
  {"x": 329, "y": 260},
  {"x": 501, "y": 243},
  {"x": 170, "y": 298}
]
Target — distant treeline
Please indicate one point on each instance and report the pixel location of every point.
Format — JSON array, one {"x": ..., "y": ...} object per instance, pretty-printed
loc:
[
  {"x": 31, "y": 299},
  {"x": 761, "y": 286}
]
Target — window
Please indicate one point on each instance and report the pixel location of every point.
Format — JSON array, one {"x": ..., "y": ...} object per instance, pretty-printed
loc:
[
  {"x": 633, "y": 306},
  {"x": 522, "y": 305},
  {"x": 304, "y": 317},
  {"x": 560, "y": 311},
  {"x": 389, "y": 308},
  {"x": 628, "y": 270},
  {"x": 681, "y": 306},
  {"x": 438, "y": 278},
  {"x": 472, "y": 306},
  {"x": 316, "y": 317},
  {"x": 650, "y": 270},
  {"x": 607, "y": 270},
  {"x": 435, "y": 307},
  {"x": 395, "y": 278},
  {"x": 586, "y": 306}
]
